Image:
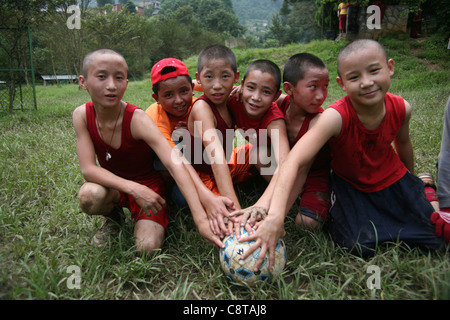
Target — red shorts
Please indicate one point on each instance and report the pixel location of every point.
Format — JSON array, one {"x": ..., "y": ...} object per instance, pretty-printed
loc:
[
  {"x": 239, "y": 165},
  {"x": 315, "y": 205},
  {"x": 137, "y": 213},
  {"x": 315, "y": 199}
]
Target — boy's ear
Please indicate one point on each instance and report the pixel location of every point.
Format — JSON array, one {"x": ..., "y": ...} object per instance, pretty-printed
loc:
[
  {"x": 391, "y": 67},
  {"x": 82, "y": 82},
  {"x": 340, "y": 83},
  {"x": 155, "y": 97},
  {"x": 236, "y": 77},
  {"x": 197, "y": 77},
  {"x": 287, "y": 87}
]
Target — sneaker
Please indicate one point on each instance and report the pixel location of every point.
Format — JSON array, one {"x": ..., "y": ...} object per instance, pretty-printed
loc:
[
  {"x": 427, "y": 179},
  {"x": 110, "y": 227}
]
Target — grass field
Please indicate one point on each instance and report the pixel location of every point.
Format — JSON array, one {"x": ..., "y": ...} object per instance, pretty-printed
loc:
[{"x": 43, "y": 232}]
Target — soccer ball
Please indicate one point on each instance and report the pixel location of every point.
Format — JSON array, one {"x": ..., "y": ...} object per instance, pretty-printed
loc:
[{"x": 242, "y": 271}]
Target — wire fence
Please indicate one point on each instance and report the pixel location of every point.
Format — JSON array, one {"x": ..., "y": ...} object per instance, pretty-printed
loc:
[
  {"x": 16, "y": 91},
  {"x": 17, "y": 82}
]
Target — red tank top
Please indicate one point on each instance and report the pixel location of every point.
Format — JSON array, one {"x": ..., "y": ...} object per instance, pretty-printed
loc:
[
  {"x": 365, "y": 158},
  {"x": 319, "y": 172},
  {"x": 225, "y": 132},
  {"x": 246, "y": 124},
  {"x": 133, "y": 160},
  {"x": 273, "y": 113}
]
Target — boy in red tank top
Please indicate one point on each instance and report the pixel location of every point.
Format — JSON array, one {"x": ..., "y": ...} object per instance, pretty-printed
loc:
[
  {"x": 123, "y": 140},
  {"x": 256, "y": 114},
  {"x": 211, "y": 128},
  {"x": 305, "y": 80},
  {"x": 261, "y": 122},
  {"x": 375, "y": 196}
]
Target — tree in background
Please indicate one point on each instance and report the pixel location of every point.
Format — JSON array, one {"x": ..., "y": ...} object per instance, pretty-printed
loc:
[
  {"x": 59, "y": 49},
  {"x": 295, "y": 23},
  {"x": 142, "y": 41},
  {"x": 15, "y": 16},
  {"x": 130, "y": 7},
  {"x": 215, "y": 15},
  {"x": 129, "y": 34}
]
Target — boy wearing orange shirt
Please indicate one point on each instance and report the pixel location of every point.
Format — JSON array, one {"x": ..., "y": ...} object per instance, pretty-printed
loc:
[{"x": 172, "y": 90}]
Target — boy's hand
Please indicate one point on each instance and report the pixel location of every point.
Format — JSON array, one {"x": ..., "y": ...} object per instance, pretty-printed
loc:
[
  {"x": 217, "y": 209},
  {"x": 237, "y": 92},
  {"x": 266, "y": 237},
  {"x": 205, "y": 231},
  {"x": 181, "y": 125},
  {"x": 148, "y": 199},
  {"x": 249, "y": 216}
]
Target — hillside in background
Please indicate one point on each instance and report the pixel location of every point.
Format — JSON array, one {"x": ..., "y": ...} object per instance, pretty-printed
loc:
[
  {"x": 248, "y": 10},
  {"x": 256, "y": 15}
]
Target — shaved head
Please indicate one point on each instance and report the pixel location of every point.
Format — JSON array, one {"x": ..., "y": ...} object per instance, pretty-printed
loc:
[
  {"x": 357, "y": 45},
  {"x": 88, "y": 58},
  {"x": 216, "y": 52}
]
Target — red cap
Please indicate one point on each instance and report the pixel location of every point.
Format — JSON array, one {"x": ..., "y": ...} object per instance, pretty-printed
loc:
[{"x": 180, "y": 70}]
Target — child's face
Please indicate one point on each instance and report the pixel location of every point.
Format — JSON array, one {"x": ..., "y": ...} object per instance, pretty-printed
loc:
[
  {"x": 106, "y": 79},
  {"x": 366, "y": 76},
  {"x": 217, "y": 79},
  {"x": 258, "y": 92},
  {"x": 310, "y": 92},
  {"x": 175, "y": 95}
]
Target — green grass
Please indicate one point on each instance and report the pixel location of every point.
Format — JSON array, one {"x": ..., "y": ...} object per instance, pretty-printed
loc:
[{"x": 43, "y": 231}]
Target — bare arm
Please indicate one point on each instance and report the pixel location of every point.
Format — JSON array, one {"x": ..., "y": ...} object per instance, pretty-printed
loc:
[
  {"x": 280, "y": 146},
  {"x": 215, "y": 206},
  {"x": 202, "y": 114},
  {"x": 296, "y": 165},
  {"x": 403, "y": 144},
  {"x": 143, "y": 128}
]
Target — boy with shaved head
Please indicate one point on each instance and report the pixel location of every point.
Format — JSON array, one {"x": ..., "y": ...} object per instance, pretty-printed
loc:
[
  {"x": 375, "y": 196},
  {"x": 124, "y": 140}
]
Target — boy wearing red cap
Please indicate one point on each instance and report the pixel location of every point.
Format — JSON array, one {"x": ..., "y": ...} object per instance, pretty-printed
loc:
[{"x": 172, "y": 90}]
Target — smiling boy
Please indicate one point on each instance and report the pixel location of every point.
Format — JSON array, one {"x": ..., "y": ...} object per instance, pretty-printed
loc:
[
  {"x": 256, "y": 112},
  {"x": 124, "y": 140},
  {"x": 376, "y": 198},
  {"x": 172, "y": 89},
  {"x": 211, "y": 127},
  {"x": 262, "y": 123},
  {"x": 305, "y": 80}
]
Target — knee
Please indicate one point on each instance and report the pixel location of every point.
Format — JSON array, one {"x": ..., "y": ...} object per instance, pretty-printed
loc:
[
  {"x": 148, "y": 246},
  {"x": 305, "y": 221},
  {"x": 91, "y": 198}
]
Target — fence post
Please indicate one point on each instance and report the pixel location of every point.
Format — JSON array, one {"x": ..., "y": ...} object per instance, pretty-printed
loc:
[{"x": 32, "y": 67}]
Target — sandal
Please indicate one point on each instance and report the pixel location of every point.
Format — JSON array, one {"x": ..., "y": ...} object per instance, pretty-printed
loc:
[{"x": 110, "y": 227}]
